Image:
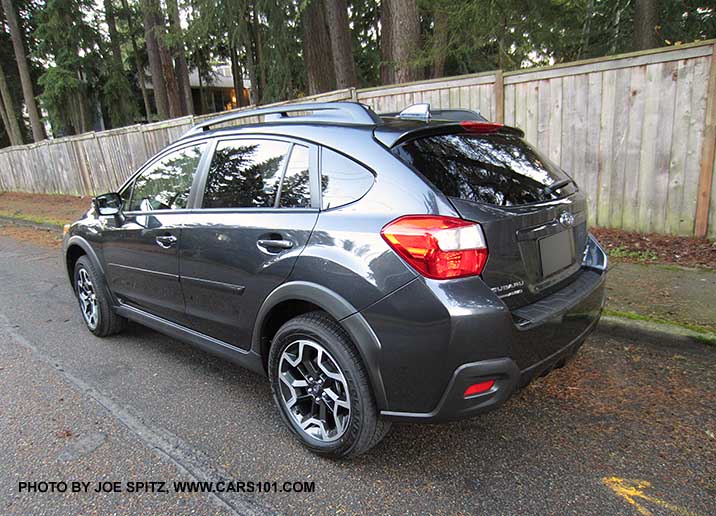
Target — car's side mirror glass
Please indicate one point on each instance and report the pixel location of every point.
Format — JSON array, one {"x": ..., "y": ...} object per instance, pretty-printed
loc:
[{"x": 108, "y": 204}]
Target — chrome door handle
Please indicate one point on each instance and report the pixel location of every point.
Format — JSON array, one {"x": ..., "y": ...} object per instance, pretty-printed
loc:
[
  {"x": 166, "y": 241},
  {"x": 275, "y": 244}
]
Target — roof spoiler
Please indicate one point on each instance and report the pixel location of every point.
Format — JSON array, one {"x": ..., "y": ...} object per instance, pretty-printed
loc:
[
  {"x": 390, "y": 137},
  {"x": 342, "y": 112}
]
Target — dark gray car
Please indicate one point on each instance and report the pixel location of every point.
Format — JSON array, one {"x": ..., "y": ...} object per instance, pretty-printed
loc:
[{"x": 412, "y": 267}]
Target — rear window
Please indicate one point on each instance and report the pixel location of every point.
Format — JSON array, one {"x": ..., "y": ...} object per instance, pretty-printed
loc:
[{"x": 499, "y": 169}]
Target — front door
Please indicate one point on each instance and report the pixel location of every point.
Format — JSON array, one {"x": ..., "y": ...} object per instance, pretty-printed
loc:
[
  {"x": 141, "y": 252},
  {"x": 257, "y": 215}
]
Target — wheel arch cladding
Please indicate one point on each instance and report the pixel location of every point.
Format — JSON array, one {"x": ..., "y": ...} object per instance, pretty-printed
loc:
[
  {"x": 77, "y": 247},
  {"x": 294, "y": 298},
  {"x": 73, "y": 253}
]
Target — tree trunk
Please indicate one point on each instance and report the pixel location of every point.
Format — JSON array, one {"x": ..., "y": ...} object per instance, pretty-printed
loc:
[
  {"x": 256, "y": 30},
  {"x": 204, "y": 105},
  {"x": 646, "y": 19},
  {"x": 180, "y": 54},
  {"x": 8, "y": 108},
  {"x": 339, "y": 32},
  {"x": 237, "y": 75},
  {"x": 137, "y": 61},
  {"x": 155, "y": 60},
  {"x": 123, "y": 112},
  {"x": 38, "y": 130},
  {"x": 244, "y": 23},
  {"x": 317, "y": 55},
  {"x": 440, "y": 41},
  {"x": 404, "y": 38},
  {"x": 5, "y": 123},
  {"x": 387, "y": 70},
  {"x": 251, "y": 69},
  {"x": 170, "y": 80},
  {"x": 113, "y": 36},
  {"x": 167, "y": 62}
]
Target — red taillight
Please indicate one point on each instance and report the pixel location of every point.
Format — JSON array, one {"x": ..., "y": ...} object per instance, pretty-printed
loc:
[
  {"x": 478, "y": 388},
  {"x": 438, "y": 247},
  {"x": 480, "y": 127}
]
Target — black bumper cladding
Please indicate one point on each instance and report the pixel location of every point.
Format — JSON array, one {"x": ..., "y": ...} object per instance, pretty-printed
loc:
[{"x": 546, "y": 334}]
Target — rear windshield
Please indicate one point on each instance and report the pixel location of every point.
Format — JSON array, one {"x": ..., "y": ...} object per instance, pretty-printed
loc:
[{"x": 498, "y": 169}]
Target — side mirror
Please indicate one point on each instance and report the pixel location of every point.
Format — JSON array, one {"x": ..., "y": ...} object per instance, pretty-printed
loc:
[{"x": 109, "y": 204}]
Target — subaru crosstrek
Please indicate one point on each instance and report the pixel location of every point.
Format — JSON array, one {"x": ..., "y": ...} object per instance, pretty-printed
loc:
[{"x": 413, "y": 267}]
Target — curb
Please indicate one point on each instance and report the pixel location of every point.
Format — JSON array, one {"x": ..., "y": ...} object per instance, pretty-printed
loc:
[
  {"x": 29, "y": 223},
  {"x": 655, "y": 333}
]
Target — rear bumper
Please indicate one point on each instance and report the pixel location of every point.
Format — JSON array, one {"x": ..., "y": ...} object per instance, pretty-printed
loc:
[
  {"x": 466, "y": 335},
  {"x": 508, "y": 379}
]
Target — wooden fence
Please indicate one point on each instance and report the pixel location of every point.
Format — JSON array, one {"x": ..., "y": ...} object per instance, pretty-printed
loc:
[{"x": 637, "y": 132}]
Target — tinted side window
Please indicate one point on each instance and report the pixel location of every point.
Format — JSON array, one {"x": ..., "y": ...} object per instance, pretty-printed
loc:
[
  {"x": 165, "y": 185},
  {"x": 342, "y": 180},
  {"x": 497, "y": 169},
  {"x": 295, "y": 188},
  {"x": 245, "y": 174}
]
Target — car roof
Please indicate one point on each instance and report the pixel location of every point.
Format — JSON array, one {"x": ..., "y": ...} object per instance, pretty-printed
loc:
[{"x": 309, "y": 121}]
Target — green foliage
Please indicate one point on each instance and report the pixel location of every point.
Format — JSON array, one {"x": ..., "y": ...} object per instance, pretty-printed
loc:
[
  {"x": 282, "y": 42},
  {"x": 68, "y": 38},
  {"x": 642, "y": 255},
  {"x": 511, "y": 34},
  {"x": 118, "y": 96},
  {"x": 364, "y": 16},
  {"x": 69, "y": 48}
]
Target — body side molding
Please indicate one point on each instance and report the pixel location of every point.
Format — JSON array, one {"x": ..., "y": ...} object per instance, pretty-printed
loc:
[{"x": 239, "y": 356}]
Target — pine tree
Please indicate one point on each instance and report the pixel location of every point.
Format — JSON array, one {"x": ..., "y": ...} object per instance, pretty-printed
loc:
[{"x": 38, "y": 130}]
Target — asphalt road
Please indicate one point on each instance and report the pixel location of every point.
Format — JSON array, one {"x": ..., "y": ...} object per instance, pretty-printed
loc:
[{"x": 626, "y": 427}]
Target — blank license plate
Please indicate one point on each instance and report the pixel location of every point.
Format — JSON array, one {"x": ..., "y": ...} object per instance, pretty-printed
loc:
[{"x": 556, "y": 252}]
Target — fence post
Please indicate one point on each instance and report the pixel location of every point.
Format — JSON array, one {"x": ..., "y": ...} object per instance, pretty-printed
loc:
[
  {"x": 703, "y": 196},
  {"x": 499, "y": 97}
]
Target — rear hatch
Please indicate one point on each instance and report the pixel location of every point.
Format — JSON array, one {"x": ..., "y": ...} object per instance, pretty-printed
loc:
[{"x": 532, "y": 214}]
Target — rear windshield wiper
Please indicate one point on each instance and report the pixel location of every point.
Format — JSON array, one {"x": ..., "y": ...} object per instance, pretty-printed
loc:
[{"x": 556, "y": 186}]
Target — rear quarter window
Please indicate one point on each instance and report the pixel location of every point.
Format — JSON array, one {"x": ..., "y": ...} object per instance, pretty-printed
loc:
[
  {"x": 342, "y": 180},
  {"x": 497, "y": 169}
]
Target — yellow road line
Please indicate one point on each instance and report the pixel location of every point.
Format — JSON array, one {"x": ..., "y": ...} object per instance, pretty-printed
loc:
[{"x": 631, "y": 490}]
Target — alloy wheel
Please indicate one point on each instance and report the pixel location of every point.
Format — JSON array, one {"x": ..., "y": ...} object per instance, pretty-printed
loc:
[
  {"x": 88, "y": 298},
  {"x": 314, "y": 390}
]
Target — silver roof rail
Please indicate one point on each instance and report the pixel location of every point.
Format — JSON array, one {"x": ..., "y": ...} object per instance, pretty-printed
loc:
[{"x": 341, "y": 112}]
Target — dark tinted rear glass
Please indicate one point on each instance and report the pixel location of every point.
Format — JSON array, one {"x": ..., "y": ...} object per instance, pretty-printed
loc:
[{"x": 499, "y": 169}]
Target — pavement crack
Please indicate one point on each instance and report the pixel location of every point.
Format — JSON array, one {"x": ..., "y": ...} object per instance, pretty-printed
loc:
[{"x": 187, "y": 459}]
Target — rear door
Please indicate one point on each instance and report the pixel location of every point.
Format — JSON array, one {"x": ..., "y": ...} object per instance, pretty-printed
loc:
[
  {"x": 533, "y": 215},
  {"x": 141, "y": 250},
  {"x": 258, "y": 208}
]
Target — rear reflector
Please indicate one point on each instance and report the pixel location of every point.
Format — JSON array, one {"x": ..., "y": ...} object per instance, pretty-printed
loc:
[
  {"x": 438, "y": 247},
  {"x": 480, "y": 127},
  {"x": 478, "y": 388}
]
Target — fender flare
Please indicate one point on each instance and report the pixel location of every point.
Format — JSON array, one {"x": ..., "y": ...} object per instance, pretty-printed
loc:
[
  {"x": 87, "y": 248},
  {"x": 341, "y": 310},
  {"x": 91, "y": 253}
]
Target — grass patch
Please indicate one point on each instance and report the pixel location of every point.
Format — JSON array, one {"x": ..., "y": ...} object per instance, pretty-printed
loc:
[
  {"x": 708, "y": 335},
  {"x": 32, "y": 218},
  {"x": 644, "y": 255}
]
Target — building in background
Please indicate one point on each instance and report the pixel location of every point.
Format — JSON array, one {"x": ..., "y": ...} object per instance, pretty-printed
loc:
[{"x": 219, "y": 93}]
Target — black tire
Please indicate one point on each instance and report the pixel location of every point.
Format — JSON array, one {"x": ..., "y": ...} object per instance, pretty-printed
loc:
[
  {"x": 107, "y": 322},
  {"x": 364, "y": 428}
]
